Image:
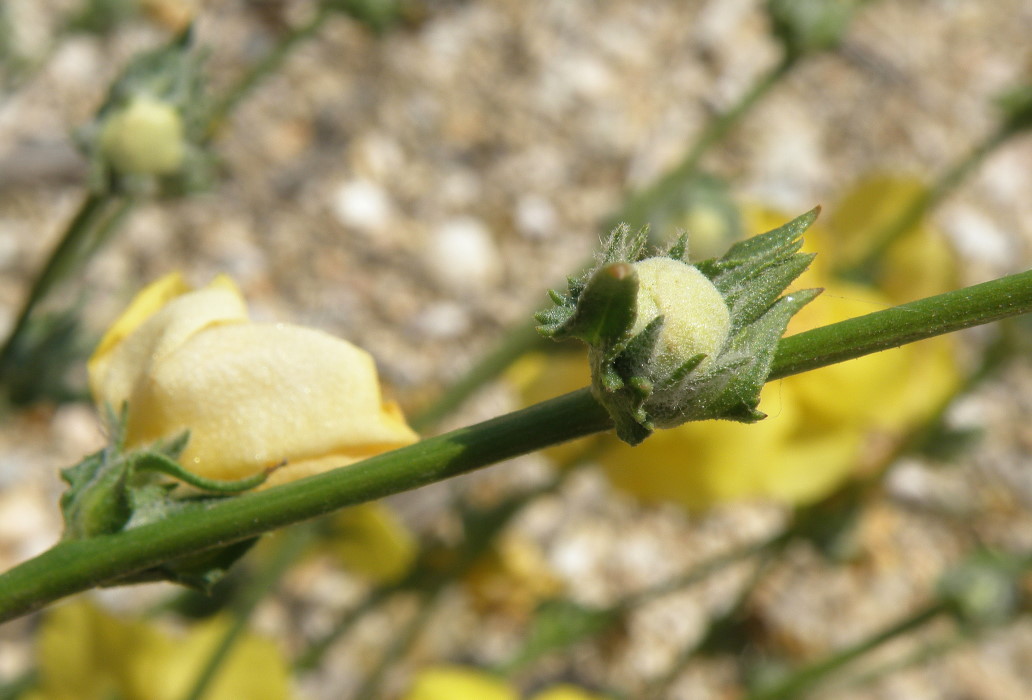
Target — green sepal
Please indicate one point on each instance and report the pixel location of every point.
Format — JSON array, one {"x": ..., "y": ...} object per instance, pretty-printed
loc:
[{"x": 605, "y": 310}]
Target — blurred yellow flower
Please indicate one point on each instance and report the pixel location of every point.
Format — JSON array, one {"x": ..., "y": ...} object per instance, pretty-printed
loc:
[
  {"x": 513, "y": 577},
  {"x": 370, "y": 541},
  {"x": 252, "y": 395},
  {"x": 460, "y": 683},
  {"x": 84, "y": 653},
  {"x": 566, "y": 692},
  {"x": 823, "y": 425}
]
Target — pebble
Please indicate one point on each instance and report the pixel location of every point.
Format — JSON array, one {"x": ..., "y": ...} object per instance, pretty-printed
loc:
[
  {"x": 362, "y": 205},
  {"x": 462, "y": 255}
]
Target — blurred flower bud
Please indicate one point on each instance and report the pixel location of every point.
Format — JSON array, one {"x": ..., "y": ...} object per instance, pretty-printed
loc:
[{"x": 145, "y": 137}]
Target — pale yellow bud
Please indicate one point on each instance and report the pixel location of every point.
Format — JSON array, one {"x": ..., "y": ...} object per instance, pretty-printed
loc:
[
  {"x": 695, "y": 318},
  {"x": 144, "y": 138}
]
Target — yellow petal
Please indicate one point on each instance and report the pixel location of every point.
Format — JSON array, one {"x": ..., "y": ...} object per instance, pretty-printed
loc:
[
  {"x": 457, "y": 683},
  {"x": 370, "y": 541},
  {"x": 253, "y": 395},
  {"x": 161, "y": 318}
]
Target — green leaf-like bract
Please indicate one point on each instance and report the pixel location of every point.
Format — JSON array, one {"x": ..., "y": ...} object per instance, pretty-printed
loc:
[{"x": 600, "y": 308}]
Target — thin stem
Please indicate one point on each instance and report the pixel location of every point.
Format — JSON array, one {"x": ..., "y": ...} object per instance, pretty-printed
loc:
[
  {"x": 265, "y": 67},
  {"x": 87, "y": 230},
  {"x": 74, "y": 566},
  {"x": 287, "y": 551},
  {"x": 809, "y": 676},
  {"x": 943, "y": 186},
  {"x": 714, "y": 132},
  {"x": 517, "y": 341},
  {"x": 400, "y": 644},
  {"x": 311, "y": 657}
]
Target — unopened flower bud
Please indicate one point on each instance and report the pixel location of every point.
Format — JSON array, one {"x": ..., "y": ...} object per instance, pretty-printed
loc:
[
  {"x": 696, "y": 320},
  {"x": 144, "y": 138}
]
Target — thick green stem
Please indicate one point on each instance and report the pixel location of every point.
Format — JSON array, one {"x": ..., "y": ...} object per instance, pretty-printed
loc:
[
  {"x": 891, "y": 328},
  {"x": 73, "y": 566}
]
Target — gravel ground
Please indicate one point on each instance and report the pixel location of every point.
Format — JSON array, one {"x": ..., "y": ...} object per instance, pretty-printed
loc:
[{"x": 417, "y": 192}]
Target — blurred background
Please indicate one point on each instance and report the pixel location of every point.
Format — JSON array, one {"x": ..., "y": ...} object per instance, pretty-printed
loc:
[{"x": 413, "y": 176}]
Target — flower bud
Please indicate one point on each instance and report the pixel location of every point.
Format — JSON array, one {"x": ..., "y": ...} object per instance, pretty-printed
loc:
[
  {"x": 145, "y": 137},
  {"x": 696, "y": 320}
]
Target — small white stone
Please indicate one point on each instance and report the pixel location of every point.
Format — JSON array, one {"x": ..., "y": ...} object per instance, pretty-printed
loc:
[
  {"x": 442, "y": 320},
  {"x": 362, "y": 205},
  {"x": 536, "y": 217},
  {"x": 462, "y": 255}
]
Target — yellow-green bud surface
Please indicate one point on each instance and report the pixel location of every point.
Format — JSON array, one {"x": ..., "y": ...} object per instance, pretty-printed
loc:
[
  {"x": 695, "y": 318},
  {"x": 144, "y": 138}
]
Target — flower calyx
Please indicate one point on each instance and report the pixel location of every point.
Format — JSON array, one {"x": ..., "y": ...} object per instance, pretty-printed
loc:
[
  {"x": 116, "y": 489},
  {"x": 148, "y": 135},
  {"x": 670, "y": 342}
]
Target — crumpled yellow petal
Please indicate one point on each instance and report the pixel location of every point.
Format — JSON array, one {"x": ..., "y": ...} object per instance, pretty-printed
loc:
[
  {"x": 254, "y": 395},
  {"x": 160, "y": 319},
  {"x": 458, "y": 683}
]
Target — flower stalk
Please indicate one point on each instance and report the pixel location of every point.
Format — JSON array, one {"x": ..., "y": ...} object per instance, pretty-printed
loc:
[{"x": 75, "y": 566}]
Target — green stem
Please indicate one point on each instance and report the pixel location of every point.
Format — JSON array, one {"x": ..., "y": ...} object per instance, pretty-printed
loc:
[
  {"x": 73, "y": 566},
  {"x": 809, "y": 676},
  {"x": 400, "y": 644},
  {"x": 516, "y": 342},
  {"x": 265, "y": 67},
  {"x": 716, "y": 130},
  {"x": 311, "y": 657},
  {"x": 946, "y": 183},
  {"x": 891, "y": 328},
  {"x": 287, "y": 551}
]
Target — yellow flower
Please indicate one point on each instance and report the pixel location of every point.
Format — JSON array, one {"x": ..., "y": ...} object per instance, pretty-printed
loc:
[
  {"x": 458, "y": 683},
  {"x": 145, "y": 137},
  {"x": 512, "y": 577},
  {"x": 566, "y": 692},
  {"x": 252, "y": 395},
  {"x": 86, "y": 654}
]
